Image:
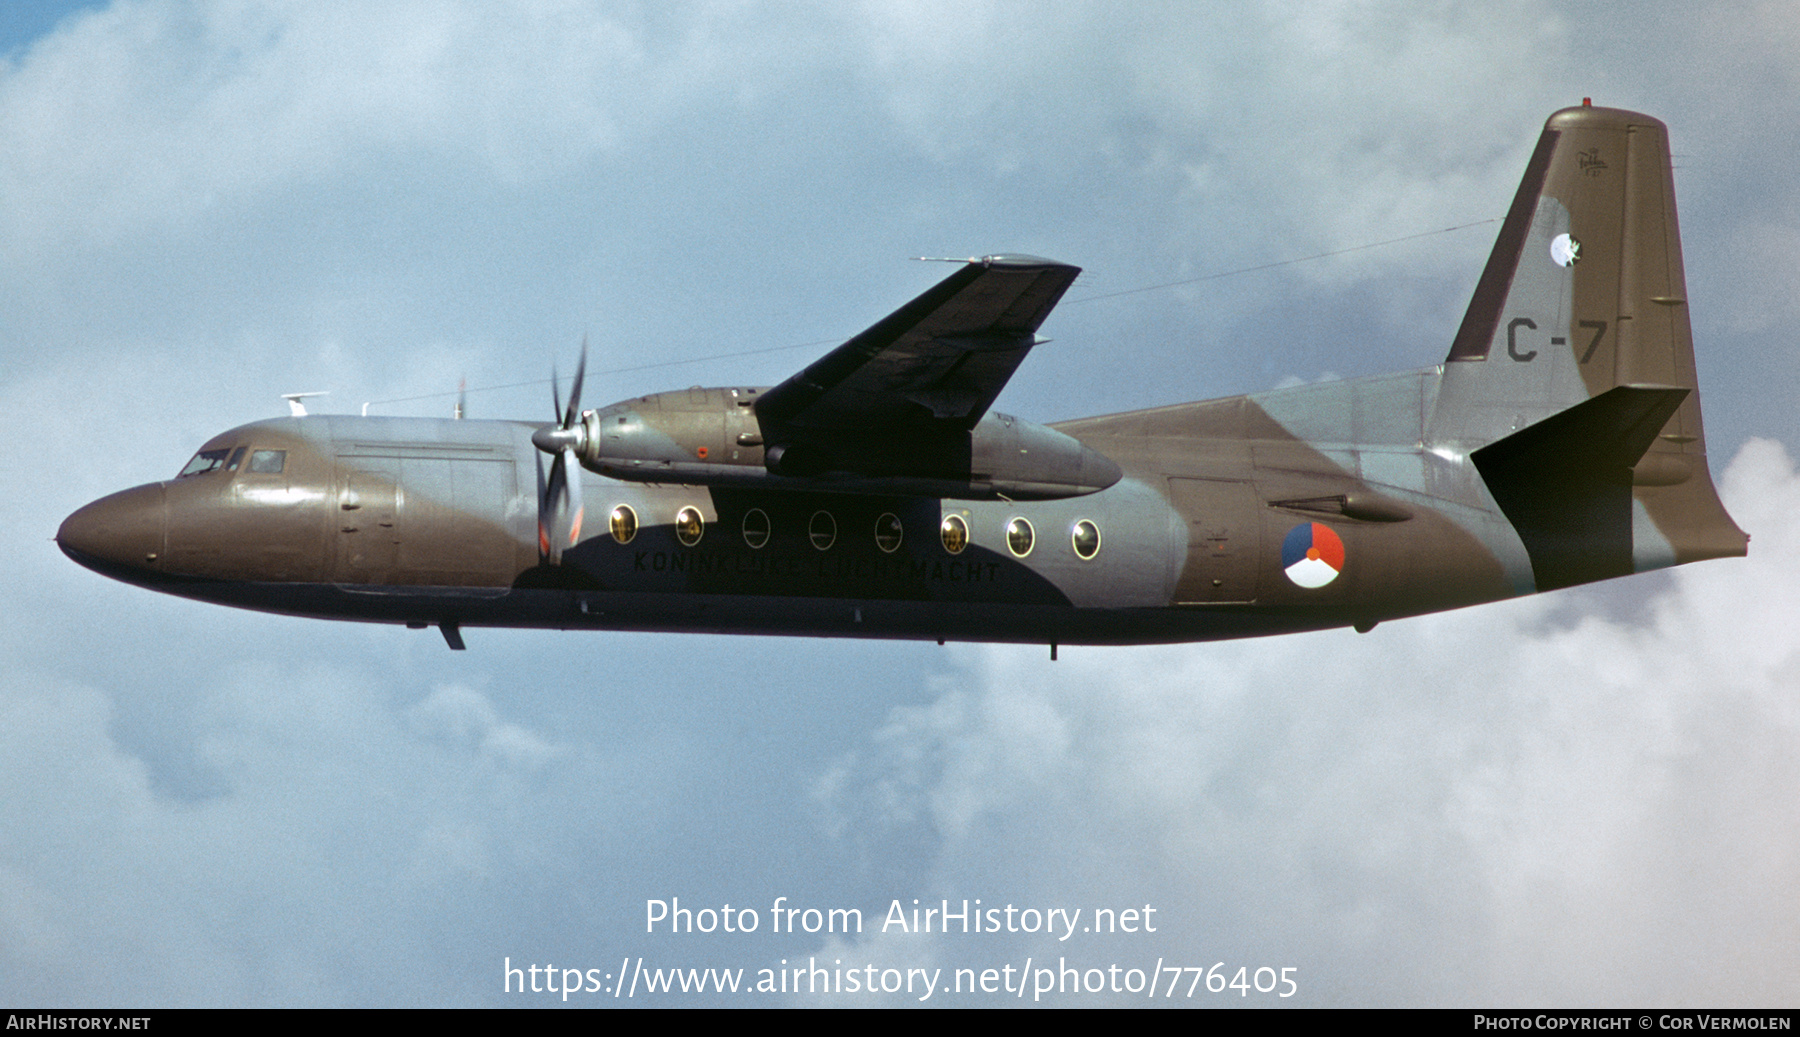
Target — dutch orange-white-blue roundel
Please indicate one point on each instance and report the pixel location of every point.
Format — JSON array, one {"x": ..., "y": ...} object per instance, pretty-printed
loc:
[{"x": 1312, "y": 555}]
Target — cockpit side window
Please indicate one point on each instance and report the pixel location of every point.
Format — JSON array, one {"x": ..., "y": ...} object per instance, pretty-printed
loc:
[
  {"x": 268, "y": 462},
  {"x": 237, "y": 458},
  {"x": 206, "y": 461}
]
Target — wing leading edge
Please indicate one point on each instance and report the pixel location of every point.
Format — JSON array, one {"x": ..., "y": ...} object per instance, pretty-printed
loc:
[{"x": 935, "y": 363}]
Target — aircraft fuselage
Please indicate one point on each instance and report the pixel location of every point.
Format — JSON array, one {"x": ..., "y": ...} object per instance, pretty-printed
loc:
[
  {"x": 877, "y": 494},
  {"x": 433, "y": 522}
]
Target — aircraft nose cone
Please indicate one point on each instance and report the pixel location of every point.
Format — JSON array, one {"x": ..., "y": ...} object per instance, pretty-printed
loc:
[{"x": 120, "y": 534}]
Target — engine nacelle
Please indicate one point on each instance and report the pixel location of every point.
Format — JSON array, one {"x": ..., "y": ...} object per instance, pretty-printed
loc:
[{"x": 712, "y": 437}]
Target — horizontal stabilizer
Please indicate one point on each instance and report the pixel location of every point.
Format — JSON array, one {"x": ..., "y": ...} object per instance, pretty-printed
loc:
[{"x": 1565, "y": 483}]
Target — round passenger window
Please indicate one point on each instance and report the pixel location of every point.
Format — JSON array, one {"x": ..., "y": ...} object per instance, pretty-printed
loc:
[
  {"x": 756, "y": 528},
  {"x": 623, "y": 523},
  {"x": 689, "y": 526},
  {"x": 1019, "y": 537},
  {"x": 888, "y": 532},
  {"x": 822, "y": 530},
  {"x": 1086, "y": 538},
  {"x": 955, "y": 533}
]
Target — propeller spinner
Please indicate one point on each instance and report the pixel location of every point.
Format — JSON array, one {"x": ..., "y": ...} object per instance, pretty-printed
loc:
[{"x": 559, "y": 497}]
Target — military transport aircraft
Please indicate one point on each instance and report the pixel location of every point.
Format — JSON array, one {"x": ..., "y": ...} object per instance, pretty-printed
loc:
[{"x": 876, "y": 494}]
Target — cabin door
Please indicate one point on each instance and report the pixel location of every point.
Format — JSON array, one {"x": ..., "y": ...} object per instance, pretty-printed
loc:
[{"x": 1224, "y": 524}]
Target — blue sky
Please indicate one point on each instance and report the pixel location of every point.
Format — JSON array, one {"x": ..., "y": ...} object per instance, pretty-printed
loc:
[
  {"x": 1580, "y": 799},
  {"x": 22, "y": 22}
]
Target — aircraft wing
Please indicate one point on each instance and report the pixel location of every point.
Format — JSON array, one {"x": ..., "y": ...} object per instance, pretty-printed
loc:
[{"x": 937, "y": 362}]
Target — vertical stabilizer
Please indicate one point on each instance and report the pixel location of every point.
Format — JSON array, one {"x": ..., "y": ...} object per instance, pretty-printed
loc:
[{"x": 1584, "y": 293}]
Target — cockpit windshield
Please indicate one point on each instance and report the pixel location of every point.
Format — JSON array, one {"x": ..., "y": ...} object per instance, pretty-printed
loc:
[{"x": 210, "y": 461}]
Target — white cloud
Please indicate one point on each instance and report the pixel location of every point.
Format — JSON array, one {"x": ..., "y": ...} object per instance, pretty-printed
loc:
[
  {"x": 340, "y": 821},
  {"x": 148, "y": 115},
  {"x": 1518, "y": 803}
]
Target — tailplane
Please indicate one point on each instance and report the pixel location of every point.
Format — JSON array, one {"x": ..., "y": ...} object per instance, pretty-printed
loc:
[{"x": 1578, "y": 332}]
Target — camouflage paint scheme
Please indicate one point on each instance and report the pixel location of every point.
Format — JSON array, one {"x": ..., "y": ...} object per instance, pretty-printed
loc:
[{"x": 1560, "y": 442}]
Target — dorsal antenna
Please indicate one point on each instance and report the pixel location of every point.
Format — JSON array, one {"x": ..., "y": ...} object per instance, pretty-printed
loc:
[{"x": 296, "y": 409}]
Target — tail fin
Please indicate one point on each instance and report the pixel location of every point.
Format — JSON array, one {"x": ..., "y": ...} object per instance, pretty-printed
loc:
[{"x": 1584, "y": 293}]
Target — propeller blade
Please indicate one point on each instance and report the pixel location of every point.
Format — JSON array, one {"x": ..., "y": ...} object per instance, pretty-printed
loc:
[
  {"x": 560, "y": 507},
  {"x": 574, "y": 410},
  {"x": 572, "y": 490},
  {"x": 544, "y": 514},
  {"x": 553, "y": 512}
]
